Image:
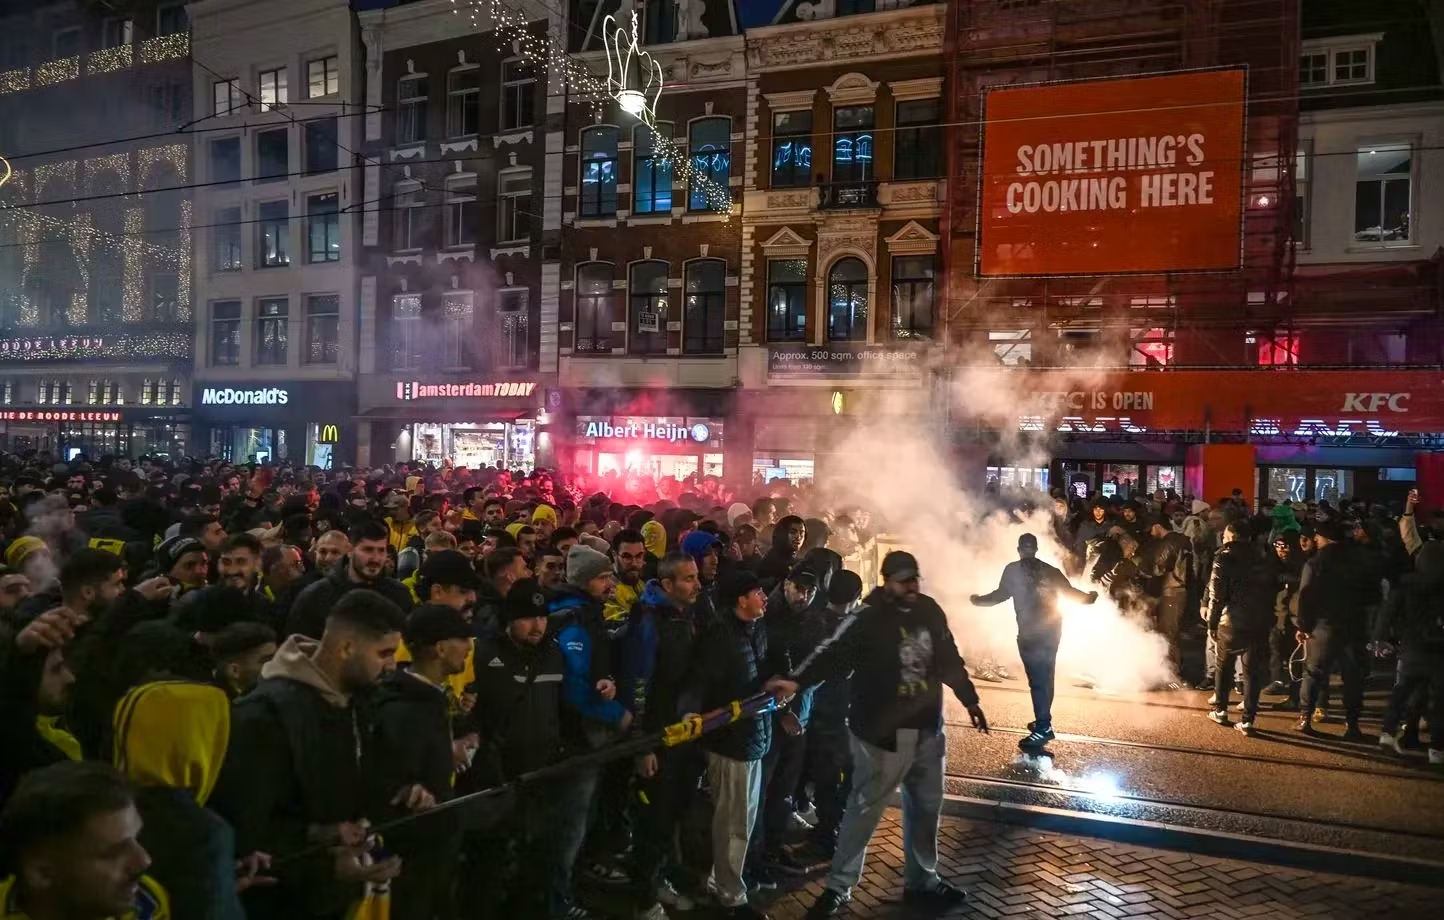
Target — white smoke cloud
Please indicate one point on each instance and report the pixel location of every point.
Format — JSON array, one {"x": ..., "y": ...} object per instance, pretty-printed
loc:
[{"x": 906, "y": 473}]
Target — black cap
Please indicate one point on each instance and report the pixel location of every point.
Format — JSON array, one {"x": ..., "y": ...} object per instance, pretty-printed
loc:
[
  {"x": 525, "y": 600},
  {"x": 448, "y": 567},
  {"x": 738, "y": 586},
  {"x": 1331, "y": 530},
  {"x": 803, "y": 577},
  {"x": 432, "y": 623},
  {"x": 899, "y": 566}
]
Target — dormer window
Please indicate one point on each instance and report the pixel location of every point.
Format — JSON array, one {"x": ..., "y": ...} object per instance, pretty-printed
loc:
[{"x": 1343, "y": 61}]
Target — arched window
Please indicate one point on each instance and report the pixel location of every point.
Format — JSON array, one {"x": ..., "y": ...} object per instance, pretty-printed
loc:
[
  {"x": 847, "y": 301},
  {"x": 709, "y": 144},
  {"x": 592, "y": 331},
  {"x": 647, "y": 299},
  {"x": 597, "y": 196},
  {"x": 705, "y": 307}
]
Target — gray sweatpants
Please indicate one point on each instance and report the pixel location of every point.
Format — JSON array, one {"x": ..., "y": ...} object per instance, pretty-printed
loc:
[
  {"x": 916, "y": 766},
  {"x": 736, "y": 791}
]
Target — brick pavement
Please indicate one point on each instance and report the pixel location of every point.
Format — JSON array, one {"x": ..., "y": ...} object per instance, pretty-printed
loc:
[{"x": 1015, "y": 871}]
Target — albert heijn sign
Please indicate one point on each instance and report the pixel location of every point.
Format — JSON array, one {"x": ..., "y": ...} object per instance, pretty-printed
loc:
[{"x": 1221, "y": 400}]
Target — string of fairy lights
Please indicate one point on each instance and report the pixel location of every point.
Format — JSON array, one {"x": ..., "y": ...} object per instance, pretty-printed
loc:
[{"x": 546, "y": 51}]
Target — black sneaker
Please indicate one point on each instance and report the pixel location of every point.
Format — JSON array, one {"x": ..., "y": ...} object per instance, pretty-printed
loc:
[
  {"x": 942, "y": 894},
  {"x": 784, "y": 863},
  {"x": 1033, "y": 727},
  {"x": 828, "y": 904},
  {"x": 1352, "y": 733},
  {"x": 1277, "y": 688},
  {"x": 1035, "y": 740},
  {"x": 760, "y": 878}
]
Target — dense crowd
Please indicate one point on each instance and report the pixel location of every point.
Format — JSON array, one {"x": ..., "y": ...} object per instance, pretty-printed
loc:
[{"x": 236, "y": 690}]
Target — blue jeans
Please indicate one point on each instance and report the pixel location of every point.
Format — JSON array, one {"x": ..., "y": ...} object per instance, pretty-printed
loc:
[
  {"x": 917, "y": 766},
  {"x": 571, "y": 814}
]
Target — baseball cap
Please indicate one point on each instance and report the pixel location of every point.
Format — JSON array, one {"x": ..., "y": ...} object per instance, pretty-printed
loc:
[
  {"x": 803, "y": 577},
  {"x": 739, "y": 585},
  {"x": 449, "y": 568},
  {"x": 525, "y": 600},
  {"x": 433, "y": 623},
  {"x": 899, "y": 566}
]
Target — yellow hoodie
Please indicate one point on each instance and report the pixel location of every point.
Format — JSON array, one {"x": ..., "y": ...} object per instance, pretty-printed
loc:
[
  {"x": 654, "y": 538},
  {"x": 174, "y": 734}
]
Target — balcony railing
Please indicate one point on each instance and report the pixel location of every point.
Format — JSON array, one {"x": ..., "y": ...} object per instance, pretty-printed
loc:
[
  {"x": 838, "y": 196},
  {"x": 102, "y": 61}
]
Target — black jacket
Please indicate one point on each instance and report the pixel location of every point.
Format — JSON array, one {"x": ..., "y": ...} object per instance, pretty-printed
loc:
[
  {"x": 900, "y": 657},
  {"x": 200, "y": 610},
  {"x": 518, "y": 714},
  {"x": 1171, "y": 559},
  {"x": 1413, "y": 615},
  {"x": 1334, "y": 590},
  {"x": 1242, "y": 587},
  {"x": 411, "y": 743},
  {"x": 731, "y": 661},
  {"x": 22, "y": 749},
  {"x": 194, "y": 853},
  {"x": 298, "y": 756},
  {"x": 308, "y": 614},
  {"x": 654, "y": 653},
  {"x": 1035, "y": 588}
]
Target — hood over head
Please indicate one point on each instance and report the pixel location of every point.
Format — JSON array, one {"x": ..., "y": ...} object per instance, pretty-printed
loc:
[
  {"x": 174, "y": 734},
  {"x": 779, "y": 534},
  {"x": 295, "y": 661},
  {"x": 654, "y": 538}
]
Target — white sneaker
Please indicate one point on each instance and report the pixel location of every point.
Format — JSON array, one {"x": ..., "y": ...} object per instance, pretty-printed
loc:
[
  {"x": 655, "y": 912},
  {"x": 667, "y": 894},
  {"x": 1436, "y": 756},
  {"x": 1212, "y": 699},
  {"x": 1389, "y": 742},
  {"x": 809, "y": 815},
  {"x": 1245, "y": 728},
  {"x": 797, "y": 824},
  {"x": 1220, "y": 716}
]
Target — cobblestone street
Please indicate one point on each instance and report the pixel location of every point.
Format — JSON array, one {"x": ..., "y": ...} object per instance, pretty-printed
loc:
[{"x": 1018, "y": 872}]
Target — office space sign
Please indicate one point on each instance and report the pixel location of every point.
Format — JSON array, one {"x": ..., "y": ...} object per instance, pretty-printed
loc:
[
  {"x": 1141, "y": 174},
  {"x": 843, "y": 360}
]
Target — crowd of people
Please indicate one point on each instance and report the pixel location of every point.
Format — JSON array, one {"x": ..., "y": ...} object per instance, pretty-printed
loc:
[{"x": 238, "y": 691}]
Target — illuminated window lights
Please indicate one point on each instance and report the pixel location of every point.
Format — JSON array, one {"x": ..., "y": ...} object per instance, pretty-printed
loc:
[
  {"x": 165, "y": 48},
  {"x": 15, "y": 81},
  {"x": 109, "y": 60},
  {"x": 118, "y": 163},
  {"x": 183, "y": 271},
  {"x": 176, "y": 156},
  {"x": 48, "y": 173},
  {"x": 132, "y": 277},
  {"x": 57, "y": 71}
]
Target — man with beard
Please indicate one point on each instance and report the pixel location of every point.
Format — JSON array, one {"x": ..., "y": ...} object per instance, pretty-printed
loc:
[
  {"x": 72, "y": 834},
  {"x": 36, "y": 683},
  {"x": 704, "y": 549},
  {"x": 629, "y": 551},
  {"x": 239, "y": 569},
  {"x": 901, "y": 654},
  {"x": 655, "y": 653},
  {"x": 787, "y": 539},
  {"x": 1035, "y": 588},
  {"x": 300, "y": 770},
  {"x": 363, "y": 567}
]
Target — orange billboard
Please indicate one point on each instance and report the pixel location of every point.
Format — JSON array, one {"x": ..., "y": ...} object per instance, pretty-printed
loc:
[{"x": 1139, "y": 174}]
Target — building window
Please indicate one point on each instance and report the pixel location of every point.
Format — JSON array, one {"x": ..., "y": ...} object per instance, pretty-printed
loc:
[
  {"x": 792, "y": 149},
  {"x": 323, "y": 228},
  {"x": 461, "y": 210},
  {"x": 406, "y": 332},
  {"x": 273, "y": 234},
  {"x": 412, "y": 95},
  {"x": 593, "y": 327},
  {"x": 226, "y": 236},
  {"x": 323, "y": 328},
  {"x": 170, "y": 19},
  {"x": 1344, "y": 65},
  {"x": 322, "y": 152},
  {"x": 226, "y": 333},
  {"x": 912, "y": 296},
  {"x": 226, "y": 97},
  {"x": 164, "y": 297},
  {"x": 1150, "y": 346},
  {"x": 226, "y": 160},
  {"x": 272, "y": 317},
  {"x": 847, "y": 301},
  {"x": 273, "y": 155},
  {"x": 916, "y": 154},
  {"x": 406, "y": 202},
  {"x": 647, "y": 300},
  {"x": 659, "y": 22},
  {"x": 1383, "y": 195},
  {"x": 1013, "y": 347},
  {"x": 1301, "y": 196},
  {"x": 1279, "y": 350},
  {"x": 598, "y": 197},
  {"x": 852, "y": 144},
  {"x": 786, "y": 300},
  {"x": 167, "y": 104},
  {"x": 463, "y": 101},
  {"x": 704, "y": 307},
  {"x": 69, "y": 42},
  {"x": 457, "y": 327},
  {"x": 518, "y": 95},
  {"x": 9, "y": 393},
  {"x": 651, "y": 169},
  {"x": 117, "y": 33},
  {"x": 709, "y": 145},
  {"x": 273, "y": 88},
  {"x": 513, "y": 207},
  {"x": 511, "y": 318},
  {"x": 323, "y": 77},
  {"x": 54, "y": 393}
]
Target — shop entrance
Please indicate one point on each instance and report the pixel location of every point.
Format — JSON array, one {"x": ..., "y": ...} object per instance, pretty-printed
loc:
[
  {"x": 506, "y": 445},
  {"x": 236, "y": 444}
]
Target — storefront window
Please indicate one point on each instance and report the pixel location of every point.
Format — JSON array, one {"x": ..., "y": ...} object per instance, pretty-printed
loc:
[
  {"x": 1165, "y": 478},
  {"x": 508, "y": 445},
  {"x": 1332, "y": 485},
  {"x": 246, "y": 445},
  {"x": 793, "y": 468},
  {"x": 1286, "y": 484},
  {"x": 1120, "y": 479},
  {"x": 1018, "y": 477}
]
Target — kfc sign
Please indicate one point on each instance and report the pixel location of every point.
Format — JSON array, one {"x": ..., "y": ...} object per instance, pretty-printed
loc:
[
  {"x": 272, "y": 396},
  {"x": 1373, "y": 402}
]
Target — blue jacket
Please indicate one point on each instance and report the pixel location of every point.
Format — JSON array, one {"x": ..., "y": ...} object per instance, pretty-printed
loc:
[
  {"x": 655, "y": 654},
  {"x": 586, "y": 653}
]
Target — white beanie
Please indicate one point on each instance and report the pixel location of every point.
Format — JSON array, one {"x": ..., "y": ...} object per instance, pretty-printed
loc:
[{"x": 736, "y": 511}]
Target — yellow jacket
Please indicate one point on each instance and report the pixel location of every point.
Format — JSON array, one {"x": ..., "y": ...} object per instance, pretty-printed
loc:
[
  {"x": 400, "y": 533},
  {"x": 151, "y": 902}
]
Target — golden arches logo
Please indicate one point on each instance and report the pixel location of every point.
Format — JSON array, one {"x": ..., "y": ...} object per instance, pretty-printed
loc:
[{"x": 330, "y": 434}]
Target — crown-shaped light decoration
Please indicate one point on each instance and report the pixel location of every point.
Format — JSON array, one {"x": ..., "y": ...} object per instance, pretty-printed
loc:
[{"x": 634, "y": 78}]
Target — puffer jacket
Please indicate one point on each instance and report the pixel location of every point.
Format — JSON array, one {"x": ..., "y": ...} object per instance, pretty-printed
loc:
[
  {"x": 1413, "y": 616},
  {"x": 1241, "y": 589},
  {"x": 730, "y": 662}
]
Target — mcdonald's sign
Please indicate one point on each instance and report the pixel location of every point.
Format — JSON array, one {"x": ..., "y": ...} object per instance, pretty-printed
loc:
[{"x": 330, "y": 434}]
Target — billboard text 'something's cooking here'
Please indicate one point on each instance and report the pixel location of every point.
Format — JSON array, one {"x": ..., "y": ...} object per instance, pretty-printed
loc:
[{"x": 1113, "y": 176}]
